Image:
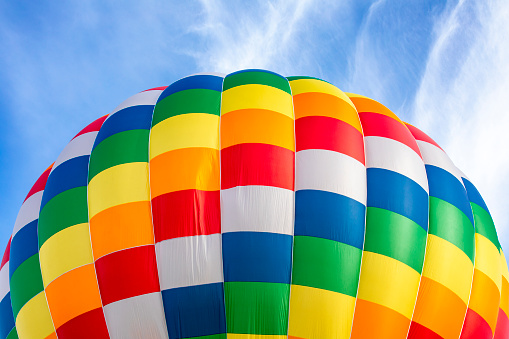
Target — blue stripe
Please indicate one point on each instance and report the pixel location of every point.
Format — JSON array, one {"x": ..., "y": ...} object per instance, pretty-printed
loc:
[
  {"x": 6, "y": 317},
  {"x": 331, "y": 216},
  {"x": 397, "y": 193},
  {"x": 134, "y": 117},
  {"x": 195, "y": 310},
  {"x": 203, "y": 81},
  {"x": 70, "y": 174},
  {"x": 24, "y": 245},
  {"x": 445, "y": 186},
  {"x": 474, "y": 195},
  {"x": 257, "y": 256}
]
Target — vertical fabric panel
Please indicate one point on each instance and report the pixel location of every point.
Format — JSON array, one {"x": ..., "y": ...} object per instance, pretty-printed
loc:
[
  {"x": 6, "y": 316},
  {"x": 67, "y": 268},
  {"x": 257, "y": 202},
  {"x": 449, "y": 263},
  {"x": 121, "y": 222},
  {"x": 29, "y": 305},
  {"x": 330, "y": 207},
  {"x": 396, "y": 225},
  {"x": 483, "y": 307},
  {"x": 184, "y": 179},
  {"x": 502, "y": 330}
]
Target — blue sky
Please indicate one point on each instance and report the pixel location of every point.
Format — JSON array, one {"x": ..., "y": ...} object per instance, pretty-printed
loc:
[{"x": 441, "y": 65}]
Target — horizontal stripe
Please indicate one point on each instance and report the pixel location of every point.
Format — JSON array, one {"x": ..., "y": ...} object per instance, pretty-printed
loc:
[
  {"x": 120, "y": 227},
  {"x": 37, "y": 187},
  {"x": 13, "y": 334},
  {"x": 118, "y": 185},
  {"x": 397, "y": 193},
  {"x": 421, "y": 136},
  {"x": 257, "y": 256},
  {"x": 256, "y": 97},
  {"x": 25, "y": 283},
  {"x": 257, "y": 126},
  {"x": 449, "y": 266},
  {"x": 322, "y": 169},
  {"x": 7, "y": 251},
  {"x": 329, "y": 134},
  {"x": 198, "y": 168},
  {"x": 34, "y": 319},
  {"x": 487, "y": 259},
  {"x": 418, "y": 331},
  {"x": 329, "y": 216},
  {"x": 4, "y": 281},
  {"x": 475, "y": 327},
  {"x": 366, "y": 105},
  {"x": 257, "y": 209},
  {"x": 189, "y": 101},
  {"x": 190, "y": 261},
  {"x": 256, "y": 308},
  {"x": 318, "y": 314},
  {"x": 389, "y": 283},
  {"x": 7, "y": 320},
  {"x": 214, "y": 83},
  {"x": 118, "y": 149},
  {"x": 77, "y": 147},
  {"x": 300, "y": 86},
  {"x": 142, "y": 98},
  {"x": 23, "y": 246},
  {"x": 502, "y": 330},
  {"x": 326, "y": 105},
  {"x": 395, "y": 236},
  {"x": 484, "y": 225},
  {"x": 186, "y": 213},
  {"x": 90, "y": 324},
  {"x": 131, "y": 118},
  {"x": 394, "y": 156},
  {"x": 504, "y": 297},
  {"x": 445, "y": 186},
  {"x": 256, "y": 76},
  {"x": 474, "y": 196},
  {"x": 28, "y": 212},
  {"x": 435, "y": 156},
  {"x": 195, "y": 311},
  {"x": 128, "y": 273},
  {"x": 485, "y": 298},
  {"x": 67, "y": 249},
  {"x": 257, "y": 164},
  {"x": 185, "y": 130},
  {"x": 326, "y": 264},
  {"x": 505, "y": 269},
  {"x": 92, "y": 127}
]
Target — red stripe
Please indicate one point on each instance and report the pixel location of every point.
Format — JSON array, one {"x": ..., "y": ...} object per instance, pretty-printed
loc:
[
  {"x": 420, "y": 135},
  {"x": 418, "y": 331},
  {"x": 318, "y": 132},
  {"x": 162, "y": 88},
  {"x": 374, "y": 124},
  {"x": 7, "y": 252},
  {"x": 127, "y": 273},
  {"x": 93, "y": 127},
  {"x": 475, "y": 327},
  {"x": 502, "y": 331},
  {"x": 40, "y": 183},
  {"x": 87, "y": 325},
  {"x": 186, "y": 213},
  {"x": 257, "y": 164}
]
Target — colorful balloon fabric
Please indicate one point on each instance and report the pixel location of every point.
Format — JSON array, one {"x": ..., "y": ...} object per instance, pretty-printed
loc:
[{"x": 253, "y": 206}]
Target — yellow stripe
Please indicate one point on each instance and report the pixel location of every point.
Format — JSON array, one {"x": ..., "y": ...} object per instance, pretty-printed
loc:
[
  {"x": 118, "y": 185},
  {"x": 388, "y": 282},
  {"x": 449, "y": 266},
  {"x": 254, "y": 336},
  {"x": 487, "y": 259},
  {"x": 185, "y": 130},
  {"x": 34, "y": 320},
  {"x": 318, "y": 314},
  {"x": 312, "y": 85},
  {"x": 64, "y": 251},
  {"x": 257, "y": 96},
  {"x": 365, "y": 104},
  {"x": 505, "y": 272}
]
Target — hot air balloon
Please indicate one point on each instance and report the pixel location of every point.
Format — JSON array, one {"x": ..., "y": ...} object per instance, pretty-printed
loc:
[{"x": 253, "y": 206}]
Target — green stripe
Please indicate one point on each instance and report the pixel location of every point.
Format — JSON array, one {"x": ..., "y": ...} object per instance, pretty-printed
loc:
[
  {"x": 257, "y": 307},
  {"x": 395, "y": 236},
  {"x": 450, "y": 223},
  {"x": 13, "y": 334},
  {"x": 120, "y": 148},
  {"x": 326, "y": 264},
  {"x": 68, "y": 208},
  {"x": 26, "y": 283},
  {"x": 188, "y": 101},
  {"x": 213, "y": 336},
  {"x": 304, "y": 77},
  {"x": 484, "y": 224},
  {"x": 255, "y": 77}
]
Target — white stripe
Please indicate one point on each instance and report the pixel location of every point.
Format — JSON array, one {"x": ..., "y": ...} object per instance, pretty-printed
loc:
[
  {"x": 190, "y": 261},
  {"x": 139, "y": 317},
  {"x": 142, "y": 98},
  {"x": 79, "y": 146},
  {"x": 257, "y": 209},
  {"x": 432, "y": 155},
  {"x": 324, "y": 170},
  {"x": 28, "y": 212},
  {"x": 395, "y": 156},
  {"x": 4, "y": 281}
]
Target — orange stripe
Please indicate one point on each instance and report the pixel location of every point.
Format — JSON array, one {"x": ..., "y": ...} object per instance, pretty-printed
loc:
[
  {"x": 504, "y": 300},
  {"x": 485, "y": 298},
  {"x": 52, "y": 336},
  {"x": 120, "y": 227},
  {"x": 186, "y": 168},
  {"x": 370, "y": 105},
  {"x": 72, "y": 294},
  {"x": 376, "y": 321},
  {"x": 439, "y": 309}
]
